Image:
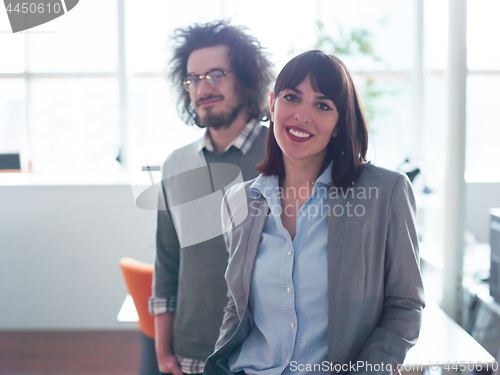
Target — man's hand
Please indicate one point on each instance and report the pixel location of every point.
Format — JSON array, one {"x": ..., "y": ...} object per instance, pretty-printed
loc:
[{"x": 168, "y": 364}]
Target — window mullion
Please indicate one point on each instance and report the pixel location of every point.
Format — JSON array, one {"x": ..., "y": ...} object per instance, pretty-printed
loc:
[{"x": 123, "y": 90}]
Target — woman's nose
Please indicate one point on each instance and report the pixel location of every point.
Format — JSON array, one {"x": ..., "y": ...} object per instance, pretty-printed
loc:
[{"x": 302, "y": 116}]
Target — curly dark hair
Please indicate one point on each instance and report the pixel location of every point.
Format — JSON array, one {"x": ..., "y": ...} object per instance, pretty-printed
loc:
[
  {"x": 248, "y": 61},
  {"x": 348, "y": 148}
]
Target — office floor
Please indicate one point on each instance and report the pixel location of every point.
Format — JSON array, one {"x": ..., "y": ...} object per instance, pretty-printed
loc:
[{"x": 68, "y": 352}]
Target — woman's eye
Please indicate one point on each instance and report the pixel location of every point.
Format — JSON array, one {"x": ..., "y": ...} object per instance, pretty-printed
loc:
[
  {"x": 290, "y": 98},
  {"x": 324, "y": 107}
]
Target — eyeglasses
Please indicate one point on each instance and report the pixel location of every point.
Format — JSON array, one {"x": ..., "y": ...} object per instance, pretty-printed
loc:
[{"x": 213, "y": 77}]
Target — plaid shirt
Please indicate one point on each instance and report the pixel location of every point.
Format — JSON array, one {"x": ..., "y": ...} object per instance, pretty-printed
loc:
[
  {"x": 190, "y": 366},
  {"x": 243, "y": 141},
  {"x": 157, "y": 305}
]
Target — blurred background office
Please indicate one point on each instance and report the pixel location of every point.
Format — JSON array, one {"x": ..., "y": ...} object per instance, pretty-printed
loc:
[{"x": 84, "y": 107}]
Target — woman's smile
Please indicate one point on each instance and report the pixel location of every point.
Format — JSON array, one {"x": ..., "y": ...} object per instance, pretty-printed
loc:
[{"x": 297, "y": 134}]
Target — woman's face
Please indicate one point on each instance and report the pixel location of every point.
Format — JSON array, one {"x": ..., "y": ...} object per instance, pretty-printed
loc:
[{"x": 304, "y": 122}]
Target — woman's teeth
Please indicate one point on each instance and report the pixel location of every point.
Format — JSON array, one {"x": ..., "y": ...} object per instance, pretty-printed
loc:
[{"x": 299, "y": 134}]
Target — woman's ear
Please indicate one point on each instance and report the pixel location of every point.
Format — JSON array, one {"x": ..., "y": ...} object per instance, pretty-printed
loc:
[
  {"x": 272, "y": 106},
  {"x": 335, "y": 132}
]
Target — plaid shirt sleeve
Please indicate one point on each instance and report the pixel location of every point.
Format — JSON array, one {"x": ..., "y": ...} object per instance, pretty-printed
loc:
[
  {"x": 190, "y": 366},
  {"x": 162, "y": 305}
]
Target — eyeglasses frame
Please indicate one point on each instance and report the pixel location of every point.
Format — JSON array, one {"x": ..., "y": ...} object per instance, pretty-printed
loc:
[{"x": 204, "y": 76}]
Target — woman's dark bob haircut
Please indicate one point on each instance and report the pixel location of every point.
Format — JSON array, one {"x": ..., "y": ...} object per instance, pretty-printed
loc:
[{"x": 330, "y": 77}]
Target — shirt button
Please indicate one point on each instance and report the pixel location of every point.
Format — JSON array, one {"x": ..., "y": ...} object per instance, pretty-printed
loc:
[
  {"x": 288, "y": 289},
  {"x": 287, "y": 361},
  {"x": 293, "y": 325},
  {"x": 289, "y": 253}
]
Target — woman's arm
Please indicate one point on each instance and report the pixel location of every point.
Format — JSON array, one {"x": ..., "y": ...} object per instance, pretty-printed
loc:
[
  {"x": 229, "y": 323},
  {"x": 400, "y": 323}
]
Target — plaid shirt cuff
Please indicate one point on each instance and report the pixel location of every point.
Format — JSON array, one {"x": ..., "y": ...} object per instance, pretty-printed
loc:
[
  {"x": 190, "y": 366},
  {"x": 159, "y": 305}
]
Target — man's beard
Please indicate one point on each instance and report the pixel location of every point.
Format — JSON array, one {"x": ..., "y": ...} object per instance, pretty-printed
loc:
[{"x": 222, "y": 119}]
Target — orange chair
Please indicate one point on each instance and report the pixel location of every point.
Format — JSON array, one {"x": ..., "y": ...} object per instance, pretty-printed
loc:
[{"x": 138, "y": 278}]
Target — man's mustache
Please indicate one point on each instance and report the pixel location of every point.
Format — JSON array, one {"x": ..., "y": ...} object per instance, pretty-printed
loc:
[{"x": 210, "y": 97}]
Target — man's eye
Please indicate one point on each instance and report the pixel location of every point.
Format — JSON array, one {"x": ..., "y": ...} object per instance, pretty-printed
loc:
[
  {"x": 290, "y": 98},
  {"x": 324, "y": 107}
]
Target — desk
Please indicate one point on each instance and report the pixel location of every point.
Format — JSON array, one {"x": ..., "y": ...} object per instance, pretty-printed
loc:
[
  {"x": 441, "y": 341},
  {"x": 482, "y": 316}
]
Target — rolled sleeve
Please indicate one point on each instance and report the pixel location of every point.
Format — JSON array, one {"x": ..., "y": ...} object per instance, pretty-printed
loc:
[{"x": 162, "y": 305}]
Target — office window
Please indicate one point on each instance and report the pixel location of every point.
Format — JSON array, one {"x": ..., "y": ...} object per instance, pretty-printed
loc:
[
  {"x": 83, "y": 62},
  {"x": 285, "y": 28},
  {"x": 383, "y": 77},
  {"x": 12, "y": 114},
  {"x": 483, "y": 123},
  {"x": 482, "y": 35},
  {"x": 13, "y": 56},
  {"x": 74, "y": 87},
  {"x": 155, "y": 129},
  {"x": 483, "y": 89},
  {"x": 148, "y": 29},
  {"x": 483, "y": 115},
  {"x": 59, "y": 93},
  {"x": 74, "y": 125},
  {"x": 87, "y": 43},
  {"x": 390, "y": 133}
]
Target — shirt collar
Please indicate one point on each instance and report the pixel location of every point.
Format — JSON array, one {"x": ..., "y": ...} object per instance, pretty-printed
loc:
[
  {"x": 243, "y": 141},
  {"x": 265, "y": 185},
  {"x": 326, "y": 177}
]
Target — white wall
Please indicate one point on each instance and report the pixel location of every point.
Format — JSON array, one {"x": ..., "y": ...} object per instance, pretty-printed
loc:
[{"x": 59, "y": 252}]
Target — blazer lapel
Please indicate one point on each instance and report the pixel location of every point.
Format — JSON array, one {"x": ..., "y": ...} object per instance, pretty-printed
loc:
[
  {"x": 260, "y": 212},
  {"x": 337, "y": 203}
]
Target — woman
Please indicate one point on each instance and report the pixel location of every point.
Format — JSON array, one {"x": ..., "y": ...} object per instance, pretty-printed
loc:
[{"x": 323, "y": 273}]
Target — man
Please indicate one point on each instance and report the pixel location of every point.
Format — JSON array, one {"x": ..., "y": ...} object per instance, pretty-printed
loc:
[{"x": 222, "y": 78}]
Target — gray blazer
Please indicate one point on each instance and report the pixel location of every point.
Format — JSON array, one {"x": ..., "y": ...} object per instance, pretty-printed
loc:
[{"x": 375, "y": 292}]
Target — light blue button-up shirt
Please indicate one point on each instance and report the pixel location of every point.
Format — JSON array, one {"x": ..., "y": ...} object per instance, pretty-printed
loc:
[{"x": 288, "y": 291}]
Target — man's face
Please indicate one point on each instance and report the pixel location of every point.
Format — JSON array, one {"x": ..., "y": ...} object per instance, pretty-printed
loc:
[{"x": 217, "y": 105}]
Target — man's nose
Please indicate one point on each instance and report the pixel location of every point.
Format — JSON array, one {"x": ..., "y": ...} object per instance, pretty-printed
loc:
[{"x": 204, "y": 88}]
